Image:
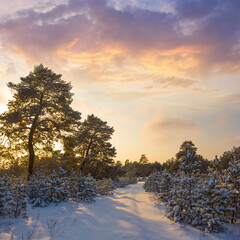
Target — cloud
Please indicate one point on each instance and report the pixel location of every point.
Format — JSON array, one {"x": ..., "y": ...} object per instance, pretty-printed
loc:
[
  {"x": 231, "y": 141},
  {"x": 170, "y": 83},
  {"x": 92, "y": 23},
  {"x": 195, "y": 9},
  {"x": 173, "y": 123},
  {"x": 202, "y": 90},
  {"x": 212, "y": 25},
  {"x": 124, "y": 96},
  {"x": 11, "y": 69},
  {"x": 172, "y": 128},
  {"x": 232, "y": 98},
  {"x": 195, "y": 36},
  {"x": 176, "y": 82}
]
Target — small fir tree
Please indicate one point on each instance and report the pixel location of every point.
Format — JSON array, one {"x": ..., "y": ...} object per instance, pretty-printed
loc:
[
  {"x": 37, "y": 191},
  {"x": 232, "y": 184},
  {"x": 212, "y": 203},
  {"x": 18, "y": 204},
  {"x": 4, "y": 195},
  {"x": 165, "y": 186},
  {"x": 152, "y": 182},
  {"x": 56, "y": 191},
  {"x": 83, "y": 188}
]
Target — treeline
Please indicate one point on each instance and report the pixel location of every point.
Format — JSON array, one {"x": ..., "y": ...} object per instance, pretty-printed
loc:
[
  {"x": 143, "y": 168},
  {"x": 206, "y": 199}
]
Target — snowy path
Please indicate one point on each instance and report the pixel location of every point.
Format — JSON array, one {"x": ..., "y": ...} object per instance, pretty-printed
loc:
[{"x": 129, "y": 214}]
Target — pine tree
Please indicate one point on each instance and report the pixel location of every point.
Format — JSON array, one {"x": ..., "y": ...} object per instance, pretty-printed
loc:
[
  {"x": 39, "y": 113},
  {"x": 212, "y": 203},
  {"x": 152, "y": 182},
  {"x": 91, "y": 189},
  {"x": 37, "y": 191},
  {"x": 43, "y": 190},
  {"x": 83, "y": 188},
  {"x": 232, "y": 184},
  {"x": 165, "y": 186},
  {"x": 91, "y": 144},
  {"x": 4, "y": 195},
  {"x": 56, "y": 191},
  {"x": 181, "y": 207},
  {"x": 17, "y": 206}
]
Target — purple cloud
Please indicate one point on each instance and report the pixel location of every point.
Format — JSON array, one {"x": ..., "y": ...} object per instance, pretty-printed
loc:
[
  {"x": 187, "y": 9},
  {"x": 211, "y": 27}
]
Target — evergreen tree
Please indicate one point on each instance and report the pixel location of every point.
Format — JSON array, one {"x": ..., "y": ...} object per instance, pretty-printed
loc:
[
  {"x": 232, "y": 184},
  {"x": 181, "y": 207},
  {"x": 90, "y": 148},
  {"x": 17, "y": 206},
  {"x": 57, "y": 190},
  {"x": 39, "y": 113},
  {"x": 5, "y": 195},
  {"x": 83, "y": 188},
  {"x": 153, "y": 182},
  {"x": 165, "y": 185},
  {"x": 37, "y": 191},
  {"x": 212, "y": 203},
  {"x": 43, "y": 190},
  {"x": 228, "y": 156},
  {"x": 185, "y": 146}
]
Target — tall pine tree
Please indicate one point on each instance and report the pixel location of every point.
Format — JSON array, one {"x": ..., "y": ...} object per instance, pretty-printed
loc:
[{"x": 39, "y": 114}]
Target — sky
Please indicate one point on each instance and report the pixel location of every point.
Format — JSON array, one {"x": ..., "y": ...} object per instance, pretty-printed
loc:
[{"x": 159, "y": 71}]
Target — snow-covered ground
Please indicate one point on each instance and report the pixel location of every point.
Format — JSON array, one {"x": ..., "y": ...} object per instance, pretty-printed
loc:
[{"x": 129, "y": 214}]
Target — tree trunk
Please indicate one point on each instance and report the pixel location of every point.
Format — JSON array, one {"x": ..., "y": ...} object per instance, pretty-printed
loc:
[
  {"x": 87, "y": 153},
  {"x": 31, "y": 153},
  {"x": 30, "y": 141},
  {"x": 82, "y": 165}
]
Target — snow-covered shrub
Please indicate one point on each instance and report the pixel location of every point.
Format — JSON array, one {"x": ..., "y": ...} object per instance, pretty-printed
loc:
[
  {"x": 105, "y": 186},
  {"x": 43, "y": 190},
  {"x": 4, "y": 195},
  {"x": 13, "y": 198},
  {"x": 17, "y": 204},
  {"x": 201, "y": 202},
  {"x": 83, "y": 188},
  {"x": 212, "y": 203},
  {"x": 152, "y": 182},
  {"x": 181, "y": 206},
  {"x": 206, "y": 202},
  {"x": 232, "y": 185},
  {"x": 37, "y": 190},
  {"x": 56, "y": 190},
  {"x": 165, "y": 185}
]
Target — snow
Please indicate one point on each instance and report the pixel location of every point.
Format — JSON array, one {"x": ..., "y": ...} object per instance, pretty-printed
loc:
[{"x": 128, "y": 214}]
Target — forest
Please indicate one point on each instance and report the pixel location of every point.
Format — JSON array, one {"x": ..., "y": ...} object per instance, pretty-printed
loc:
[{"x": 50, "y": 155}]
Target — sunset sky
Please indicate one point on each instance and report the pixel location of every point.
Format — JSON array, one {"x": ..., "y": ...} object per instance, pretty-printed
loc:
[{"x": 158, "y": 71}]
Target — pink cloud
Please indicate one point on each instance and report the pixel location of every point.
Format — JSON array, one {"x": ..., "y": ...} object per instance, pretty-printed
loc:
[{"x": 172, "y": 128}]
